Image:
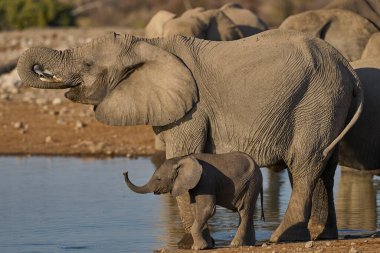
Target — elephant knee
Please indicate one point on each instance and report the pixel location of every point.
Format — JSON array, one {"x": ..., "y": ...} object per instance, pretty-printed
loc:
[{"x": 206, "y": 212}]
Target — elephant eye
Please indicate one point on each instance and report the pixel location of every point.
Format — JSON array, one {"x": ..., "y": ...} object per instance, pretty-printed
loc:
[{"x": 88, "y": 63}]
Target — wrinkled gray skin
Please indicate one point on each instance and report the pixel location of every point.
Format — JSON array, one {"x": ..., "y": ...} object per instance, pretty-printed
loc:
[
  {"x": 335, "y": 26},
  {"x": 369, "y": 9},
  {"x": 372, "y": 49},
  {"x": 360, "y": 148},
  {"x": 280, "y": 96},
  {"x": 230, "y": 22},
  {"x": 231, "y": 180}
]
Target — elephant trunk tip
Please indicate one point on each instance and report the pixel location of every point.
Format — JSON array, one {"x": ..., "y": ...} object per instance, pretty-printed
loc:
[{"x": 138, "y": 189}]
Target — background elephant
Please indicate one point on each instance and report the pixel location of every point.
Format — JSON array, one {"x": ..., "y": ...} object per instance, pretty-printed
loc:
[
  {"x": 372, "y": 49},
  {"x": 155, "y": 27},
  {"x": 369, "y": 9},
  {"x": 230, "y": 22},
  {"x": 346, "y": 31},
  {"x": 231, "y": 180},
  {"x": 360, "y": 148},
  {"x": 261, "y": 96}
]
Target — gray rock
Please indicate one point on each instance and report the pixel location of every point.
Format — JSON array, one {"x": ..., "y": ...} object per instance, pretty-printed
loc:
[
  {"x": 41, "y": 101},
  {"x": 56, "y": 101},
  {"x": 19, "y": 125},
  {"x": 48, "y": 139},
  {"x": 353, "y": 250},
  {"x": 309, "y": 244},
  {"x": 64, "y": 110},
  {"x": 5, "y": 96},
  {"x": 79, "y": 125}
]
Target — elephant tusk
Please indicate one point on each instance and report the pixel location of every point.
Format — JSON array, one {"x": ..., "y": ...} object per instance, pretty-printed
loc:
[
  {"x": 52, "y": 79},
  {"x": 45, "y": 75}
]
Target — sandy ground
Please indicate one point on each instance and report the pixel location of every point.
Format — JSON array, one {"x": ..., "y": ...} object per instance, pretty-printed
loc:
[
  {"x": 335, "y": 246},
  {"x": 35, "y": 122},
  {"x": 43, "y": 122}
]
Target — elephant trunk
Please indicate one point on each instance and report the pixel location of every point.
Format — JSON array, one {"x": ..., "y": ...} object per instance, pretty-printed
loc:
[
  {"x": 138, "y": 189},
  {"x": 36, "y": 68}
]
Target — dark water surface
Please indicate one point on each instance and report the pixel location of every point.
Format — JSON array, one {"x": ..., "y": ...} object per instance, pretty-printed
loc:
[{"x": 75, "y": 205}]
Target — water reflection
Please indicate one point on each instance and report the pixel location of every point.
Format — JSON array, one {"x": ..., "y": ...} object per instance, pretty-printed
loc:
[
  {"x": 356, "y": 202},
  {"x": 357, "y": 199},
  {"x": 168, "y": 213},
  {"x": 61, "y": 204}
]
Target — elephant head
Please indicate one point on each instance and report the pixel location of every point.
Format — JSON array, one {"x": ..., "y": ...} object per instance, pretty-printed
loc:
[
  {"x": 156, "y": 24},
  {"x": 129, "y": 80},
  {"x": 176, "y": 176}
]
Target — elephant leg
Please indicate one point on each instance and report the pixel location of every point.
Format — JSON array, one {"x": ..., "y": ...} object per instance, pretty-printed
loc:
[
  {"x": 245, "y": 234},
  {"x": 187, "y": 219},
  {"x": 294, "y": 224},
  {"x": 203, "y": 209},
  {"x": 322, "y": 223}
]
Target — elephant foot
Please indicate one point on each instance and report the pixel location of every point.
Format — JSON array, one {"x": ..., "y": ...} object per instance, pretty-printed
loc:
[
  {"x": 315, "y": 230},
  {"x": 202, "y": 244},
  {"x": 187, "y": 241},
  {"x": 291, "y": 233},
  {"x": 240, "y": 242},
  {"x": 328, "y": 234},
  {"x": 322, "y": 232}
]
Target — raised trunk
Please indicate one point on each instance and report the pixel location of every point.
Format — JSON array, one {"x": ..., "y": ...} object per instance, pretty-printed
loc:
[
  {"x": 37, "y": 66},
  {"x": 138, "y": 189}
]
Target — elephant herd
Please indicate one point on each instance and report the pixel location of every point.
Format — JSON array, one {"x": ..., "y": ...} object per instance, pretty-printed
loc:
[{"x": 303, "y": 97}]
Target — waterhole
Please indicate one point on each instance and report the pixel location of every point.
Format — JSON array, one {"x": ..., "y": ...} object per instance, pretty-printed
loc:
[{"x": 76, "y": 205}]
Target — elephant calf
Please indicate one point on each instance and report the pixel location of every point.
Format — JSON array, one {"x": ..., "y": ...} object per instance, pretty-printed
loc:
[{"x": 231, "y": 180}]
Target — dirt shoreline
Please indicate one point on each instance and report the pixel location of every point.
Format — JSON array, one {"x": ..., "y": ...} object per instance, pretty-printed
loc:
[{"x": 370, "y": 245}]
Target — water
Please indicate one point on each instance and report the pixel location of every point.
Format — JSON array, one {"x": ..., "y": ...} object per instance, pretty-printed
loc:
[{"x": 74, "y": 205}]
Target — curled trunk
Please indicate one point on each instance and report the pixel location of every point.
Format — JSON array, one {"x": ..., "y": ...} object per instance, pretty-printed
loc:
[
  {"x": 138, "y": 189},
  {"x": 37, "y": 66}
]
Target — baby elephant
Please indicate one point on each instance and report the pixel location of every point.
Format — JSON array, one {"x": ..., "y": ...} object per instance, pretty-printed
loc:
[{"x": 231, "y": 180}]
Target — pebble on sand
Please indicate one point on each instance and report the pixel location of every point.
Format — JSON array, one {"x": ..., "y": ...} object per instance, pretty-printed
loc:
[
  {"x": 309, "y": 244},
  {"x": 48, "y": 139}
]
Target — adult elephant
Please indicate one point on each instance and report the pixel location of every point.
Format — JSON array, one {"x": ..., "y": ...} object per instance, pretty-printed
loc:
[
  {"x": 372, "y": 49},
  {"x": 369, "y": 9},
  {"x": 230, "y": 22},
  {"x": 345, "y": 30},
  {"x": 280, "y": 96},
  {"x": 360, "y": 148}
]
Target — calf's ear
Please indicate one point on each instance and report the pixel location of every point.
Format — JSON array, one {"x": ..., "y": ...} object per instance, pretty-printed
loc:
[{"x": 188, "y": 175}]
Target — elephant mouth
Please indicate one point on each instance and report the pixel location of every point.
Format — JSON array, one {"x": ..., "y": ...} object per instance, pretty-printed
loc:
[{"x": 46, "y": 76}]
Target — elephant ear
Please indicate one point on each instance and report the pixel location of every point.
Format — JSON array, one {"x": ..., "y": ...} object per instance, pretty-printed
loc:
[
  {"x": 189, "y": 173},
  {"x": 311, "y": 22},
  {"x": 221, "y": 28},
  {"x": 158, "y": 91},
  {"x": 155, "y": 27}
]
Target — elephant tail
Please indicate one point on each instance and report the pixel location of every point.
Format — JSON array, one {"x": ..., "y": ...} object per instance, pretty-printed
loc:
[
  {"x": 262, "y": 204},
  {"x": 358, "y": 93}
]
